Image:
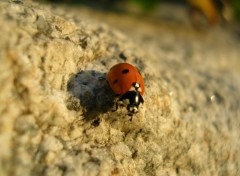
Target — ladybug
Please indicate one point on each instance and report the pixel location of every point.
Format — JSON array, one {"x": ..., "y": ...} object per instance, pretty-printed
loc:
[{"x": 126, "y": 81}]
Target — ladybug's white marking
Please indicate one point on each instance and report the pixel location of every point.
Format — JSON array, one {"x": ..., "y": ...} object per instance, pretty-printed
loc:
[
  {"x": 133, "y": 109},
  {"x": 136, "y": 87}
]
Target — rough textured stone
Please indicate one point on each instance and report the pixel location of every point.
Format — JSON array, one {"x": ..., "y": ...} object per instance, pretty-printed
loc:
[{"x": 55, "y": 103}]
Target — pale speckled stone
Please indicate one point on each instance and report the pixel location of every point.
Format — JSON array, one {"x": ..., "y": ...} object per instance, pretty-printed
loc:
[
  {"x": 56, "y": 107},
  {"x": 51, "y": 143}
]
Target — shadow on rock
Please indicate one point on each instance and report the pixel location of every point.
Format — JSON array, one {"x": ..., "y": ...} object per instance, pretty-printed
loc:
[{"x": 93, "y": 91}]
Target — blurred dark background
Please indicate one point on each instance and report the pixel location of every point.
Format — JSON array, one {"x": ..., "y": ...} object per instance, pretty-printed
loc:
[{"x": 212, "y": 11}]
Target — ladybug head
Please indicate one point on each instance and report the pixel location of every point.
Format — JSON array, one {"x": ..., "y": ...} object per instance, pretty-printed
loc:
[
  {"x": 133, "y": 99},
  {"x": 132, "y": 108}
]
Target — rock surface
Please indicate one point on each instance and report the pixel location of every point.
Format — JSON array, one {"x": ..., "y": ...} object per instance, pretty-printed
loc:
[{"x": 55, "y": 103}]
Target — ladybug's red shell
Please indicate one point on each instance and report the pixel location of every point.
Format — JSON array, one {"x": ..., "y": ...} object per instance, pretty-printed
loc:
[{"x": 122, "y": 76}]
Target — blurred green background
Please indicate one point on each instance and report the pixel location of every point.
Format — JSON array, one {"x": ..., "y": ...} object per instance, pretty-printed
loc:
[{"x": 148, "y": 6}]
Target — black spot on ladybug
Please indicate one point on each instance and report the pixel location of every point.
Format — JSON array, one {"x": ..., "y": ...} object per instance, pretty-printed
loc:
[
  {"x": 115, "y": 81},
  {"x": 125, "y": 71}
]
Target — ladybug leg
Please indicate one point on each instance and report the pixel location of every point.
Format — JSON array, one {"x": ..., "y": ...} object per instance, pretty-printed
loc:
[
  {"x": 131, "y": 116},
  {"x": 115, "y": 108},
  {"x": 117, "y": 103}
]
